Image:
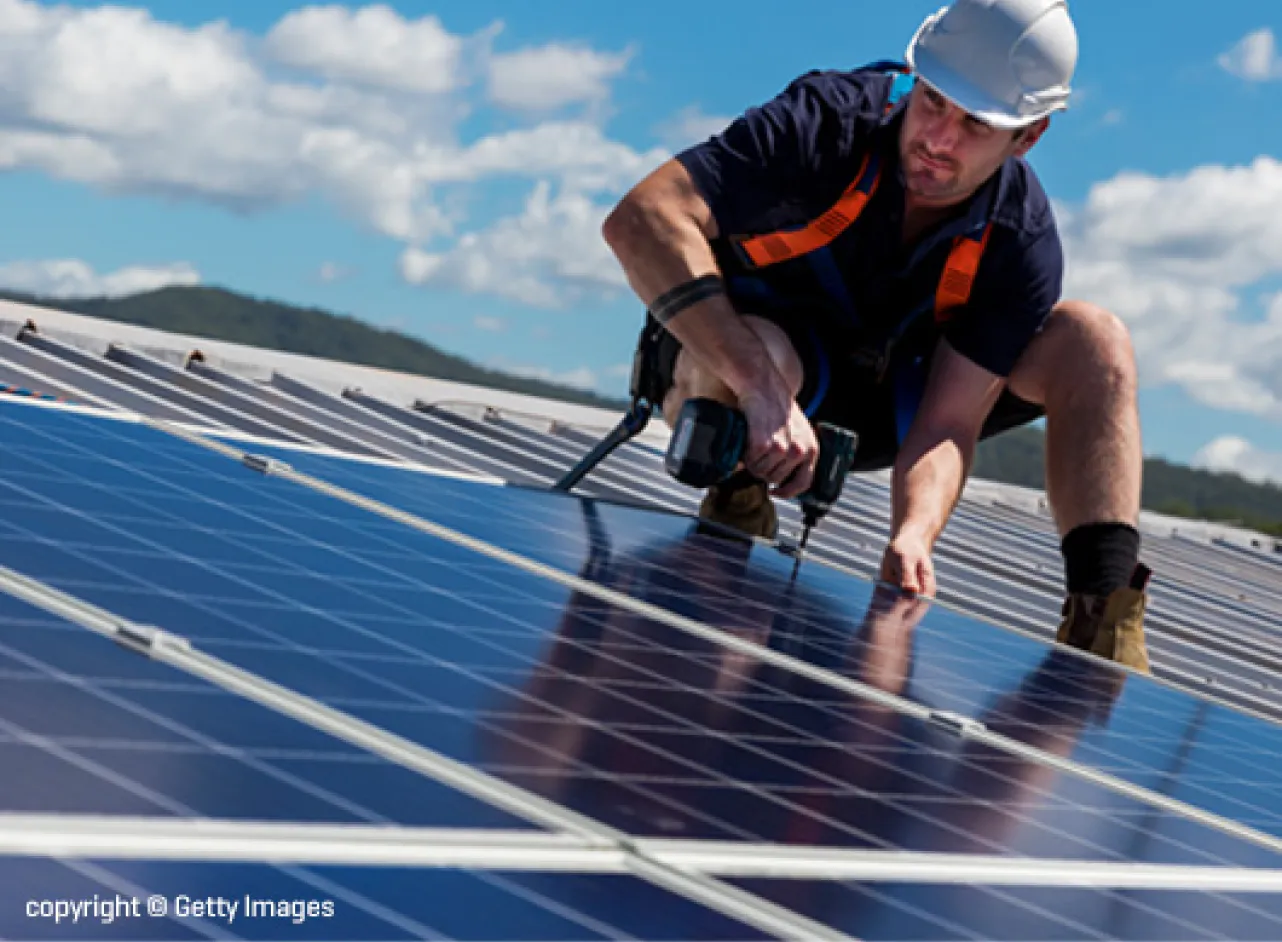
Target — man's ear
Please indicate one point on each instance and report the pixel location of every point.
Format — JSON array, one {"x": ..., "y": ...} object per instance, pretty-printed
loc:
[{"x": 1025, "y": 138}]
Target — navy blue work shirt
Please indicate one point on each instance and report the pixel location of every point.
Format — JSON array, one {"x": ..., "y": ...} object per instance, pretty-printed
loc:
[{"x": 784, "y": 163}]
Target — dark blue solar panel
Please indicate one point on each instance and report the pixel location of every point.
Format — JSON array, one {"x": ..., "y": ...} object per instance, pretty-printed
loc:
[
  {"x": 1155, "y": 736},
  {"x": 623, "y": 718},
  {"x": 87, "y": 727},
  {"x": 248, "y": 901},
  {"x": 891, "y": 912}
]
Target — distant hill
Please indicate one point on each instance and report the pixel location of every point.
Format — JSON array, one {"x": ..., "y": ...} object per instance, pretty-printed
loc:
[
  {"x": 225, "y": 315},
  {"x": 1014, "y": 458},
  {"x": 1017, "y": 458}
]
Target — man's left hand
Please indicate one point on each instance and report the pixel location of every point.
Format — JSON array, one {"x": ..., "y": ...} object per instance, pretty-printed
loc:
[{"x": 907, "y": 564}]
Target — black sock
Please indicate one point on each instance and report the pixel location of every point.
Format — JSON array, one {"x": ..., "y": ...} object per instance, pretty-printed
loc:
[{"x": 1100, "y": 557}]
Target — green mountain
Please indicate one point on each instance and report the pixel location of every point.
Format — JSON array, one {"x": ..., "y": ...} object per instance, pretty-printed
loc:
[{"x": 1016, "y": 457}]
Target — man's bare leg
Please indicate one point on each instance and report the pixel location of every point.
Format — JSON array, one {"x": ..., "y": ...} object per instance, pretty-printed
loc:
[{"x": 1081, "y": 369}]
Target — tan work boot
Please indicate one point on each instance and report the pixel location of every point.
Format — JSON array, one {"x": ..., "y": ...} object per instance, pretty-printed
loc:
[
  {"x": 744, "y": 506},
  {"x": 1111, "y": 626}
]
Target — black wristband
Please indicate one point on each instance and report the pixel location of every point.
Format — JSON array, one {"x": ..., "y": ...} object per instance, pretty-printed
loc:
[{"x": 671, "y": 303}]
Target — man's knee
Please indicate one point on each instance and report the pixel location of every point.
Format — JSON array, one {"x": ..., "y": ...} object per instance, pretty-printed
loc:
[{"x": 1082, "y": 347}]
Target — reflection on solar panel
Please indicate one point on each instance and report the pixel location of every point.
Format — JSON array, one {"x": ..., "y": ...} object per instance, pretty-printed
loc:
[{"x": 537, "y": 716}]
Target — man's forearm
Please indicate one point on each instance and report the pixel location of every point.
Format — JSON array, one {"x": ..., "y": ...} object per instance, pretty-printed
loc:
[
  {"x": 928, "y": 479},
  {"x": 660, "y": 249}
]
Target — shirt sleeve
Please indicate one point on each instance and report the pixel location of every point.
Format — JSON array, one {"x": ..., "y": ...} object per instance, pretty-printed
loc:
[
  {"x": 1011, "y": 300},
  {"x": 776, "y": 156}
]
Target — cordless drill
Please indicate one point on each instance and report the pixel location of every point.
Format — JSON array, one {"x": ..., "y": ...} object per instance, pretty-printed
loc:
[{"x": 708, "y": 442}]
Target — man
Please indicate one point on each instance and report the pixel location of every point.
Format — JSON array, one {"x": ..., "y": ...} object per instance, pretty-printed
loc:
[{"x": 891, "y": 264}]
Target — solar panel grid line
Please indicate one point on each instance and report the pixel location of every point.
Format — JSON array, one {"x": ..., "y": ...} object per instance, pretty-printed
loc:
[
  {"x": 127, "y": 889},
  {"x": 102, "y": 387},
  {"x": 207, "y": 411},
  {"x": 351, "y": 439},
  {"x": 864, "y": 691},
  {"x": 208, "y": 744},
  {"x": 311, "y": 712},
  {"x": 99, "y": 771}
]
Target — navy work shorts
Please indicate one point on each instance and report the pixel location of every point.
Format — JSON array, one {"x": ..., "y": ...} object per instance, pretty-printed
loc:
[{"x": 850, "y": 397}]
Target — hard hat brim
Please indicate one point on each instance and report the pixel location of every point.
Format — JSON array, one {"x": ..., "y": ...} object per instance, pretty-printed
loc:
[{"x": 966, "y": 96}]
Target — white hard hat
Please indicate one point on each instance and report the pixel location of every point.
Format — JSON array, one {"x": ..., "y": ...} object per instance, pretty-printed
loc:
[{"x": 1007, "y": 62}]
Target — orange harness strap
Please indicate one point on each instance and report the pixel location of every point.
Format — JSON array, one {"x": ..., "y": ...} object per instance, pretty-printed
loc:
[
  {"x": 775, "y": 247},
  {"x": 958, "y": 278},
  {"x": 955, "y": 283}
]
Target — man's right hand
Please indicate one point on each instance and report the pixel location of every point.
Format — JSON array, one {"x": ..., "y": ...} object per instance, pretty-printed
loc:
[{"x": 782, "y": 447}]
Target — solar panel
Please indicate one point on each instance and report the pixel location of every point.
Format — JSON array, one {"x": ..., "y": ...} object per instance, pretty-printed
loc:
[
  {"x": 959, "y": 664},
  {"x": 960, "y": 911},
  {"x": 637, "y": 676},
  {"x": 353, "y": 610},
  {"x": 87, "y": 727}
]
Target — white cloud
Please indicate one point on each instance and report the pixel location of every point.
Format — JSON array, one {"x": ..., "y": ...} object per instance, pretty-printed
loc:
[
  {"x": 491, "y": 325},
  {"x": 1232, "y": 453},
  {"x": 71, "y": 278},
  {"x": 552, "y": 76},
  {"x": 372, "y": 46},
  {"x": 578, "y": 152},
  {"x": 1175, "y": 257},
  {"x": 548, "y": 256},
  {"x": 1254, "y": 58},
  {"x": 364, "y": 108},
  {"x": 691, "y": 126},
  {"x": 1113, "y": 117}
]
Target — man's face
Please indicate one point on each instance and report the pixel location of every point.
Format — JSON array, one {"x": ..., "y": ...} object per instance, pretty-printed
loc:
[{"x": 946, "y": 154}]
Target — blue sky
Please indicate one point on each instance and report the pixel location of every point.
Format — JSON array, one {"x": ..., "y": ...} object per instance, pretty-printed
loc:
[{"x": 443, "y": 167}]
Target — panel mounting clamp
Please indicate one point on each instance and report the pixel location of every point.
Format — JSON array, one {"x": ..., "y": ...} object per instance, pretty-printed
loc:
[
  {"x": 955, "y": 723},
  {"x": 148, "y": 639},
  {"x": 263, "y": 464}
]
